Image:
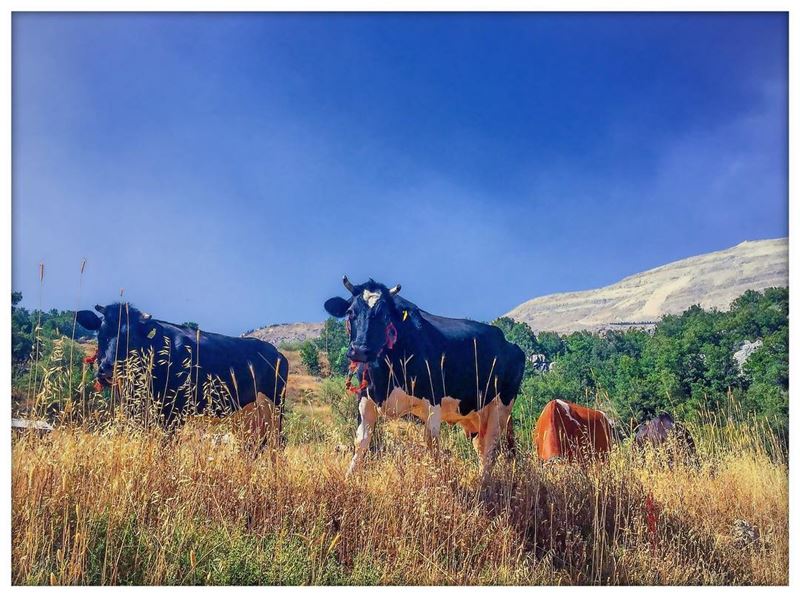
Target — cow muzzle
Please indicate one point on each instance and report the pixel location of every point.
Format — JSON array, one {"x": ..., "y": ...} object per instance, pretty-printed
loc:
[
  {"x": 360, "y": 354},
  {"x": 104, "y": 381},
  {"x": 105, "y": 374}
]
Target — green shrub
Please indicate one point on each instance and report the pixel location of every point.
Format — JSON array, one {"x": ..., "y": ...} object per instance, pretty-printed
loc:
[
  {"x": 299, "y": 428},
  {"x": 290, "y": 345},
  {"x": 334, "y": 341},
  {"x": 309, "y": 356},
  {"x": 344, "y": 407}
]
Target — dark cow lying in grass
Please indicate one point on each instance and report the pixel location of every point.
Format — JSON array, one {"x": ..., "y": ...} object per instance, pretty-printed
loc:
[
  {"x": 664, "y": 433},
  {"x": 408, "y": 361},
  {"x": 191, "y": 371}
]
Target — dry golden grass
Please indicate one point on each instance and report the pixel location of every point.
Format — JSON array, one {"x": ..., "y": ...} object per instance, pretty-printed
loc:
[
  {"x": 110, "y": 498},
  {"x": 128, "y": 506}
]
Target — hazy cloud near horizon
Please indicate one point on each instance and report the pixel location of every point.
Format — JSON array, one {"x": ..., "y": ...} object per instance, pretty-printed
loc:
[{"x": 229, "y": 169}]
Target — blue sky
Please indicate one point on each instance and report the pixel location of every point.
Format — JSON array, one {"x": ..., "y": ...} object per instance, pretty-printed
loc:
[{"x": 228, "y": 169}]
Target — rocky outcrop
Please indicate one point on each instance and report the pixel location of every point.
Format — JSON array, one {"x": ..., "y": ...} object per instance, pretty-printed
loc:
[
  {"x": 744, "y": 352},
  {"x": 281, "y": 333}
]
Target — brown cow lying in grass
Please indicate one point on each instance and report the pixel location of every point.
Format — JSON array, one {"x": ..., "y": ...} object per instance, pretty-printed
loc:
[{"x": 571, "y": 431}]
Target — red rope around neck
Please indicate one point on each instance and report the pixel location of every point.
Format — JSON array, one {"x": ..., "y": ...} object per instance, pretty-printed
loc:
[{"x": 363, "y": 385}]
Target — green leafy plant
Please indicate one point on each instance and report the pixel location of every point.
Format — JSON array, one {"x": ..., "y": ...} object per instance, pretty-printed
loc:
[{"x": 309, "y": 355}]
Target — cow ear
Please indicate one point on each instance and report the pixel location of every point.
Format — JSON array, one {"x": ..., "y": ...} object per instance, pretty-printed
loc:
[
  {"x": 88, "y": 320},
  {"x": 337, "y": 306}
]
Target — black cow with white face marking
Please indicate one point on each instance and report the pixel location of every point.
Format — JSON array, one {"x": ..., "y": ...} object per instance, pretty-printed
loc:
[
  {"x": 187, "y": 363},
  {"x": 408, "y": 361}
]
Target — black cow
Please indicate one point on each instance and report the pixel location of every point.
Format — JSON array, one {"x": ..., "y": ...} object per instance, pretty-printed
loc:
[
  {"x": 663, "y": 432},
  {"x": 406, "y": 360},
  {"x": 192, "y": 371}
]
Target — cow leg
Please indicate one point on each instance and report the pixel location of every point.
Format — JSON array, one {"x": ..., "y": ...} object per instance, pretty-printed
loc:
[
  {"x": 265, "y": 428},
  {"x": 511, "y": 445},
  {"x": 433, "y": 424},
  {"x": 256, "y": 424},
  {"x": 486, "y": 440},
  {"x": 368, "y": 415}
]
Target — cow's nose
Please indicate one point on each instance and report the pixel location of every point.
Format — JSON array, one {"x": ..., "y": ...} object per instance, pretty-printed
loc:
[{"x": 358, "y": 353}]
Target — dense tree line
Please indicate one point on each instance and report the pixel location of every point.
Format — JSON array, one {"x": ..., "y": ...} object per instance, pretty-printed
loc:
[
  {"x": 41, "y": 342},
  {"x": 51, "y": 324},
  {"x": 684, "y": 365}
]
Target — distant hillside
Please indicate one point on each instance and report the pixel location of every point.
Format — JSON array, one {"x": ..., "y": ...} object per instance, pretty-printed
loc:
[
  {"x": 711, "y": 280},
  {"x": 287, "y": 332}
]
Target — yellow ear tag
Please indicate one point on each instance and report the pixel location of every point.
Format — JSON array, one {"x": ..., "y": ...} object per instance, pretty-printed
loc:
[
  {"x": 152, "y": 334},
  {"x": 405, "y": 315}
]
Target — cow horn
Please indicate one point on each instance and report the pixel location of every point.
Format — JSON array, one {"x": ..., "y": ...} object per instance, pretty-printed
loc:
[
  {"x": 100, "y": 308},
  {"x": 348, "y": 284},
  {"x": 394, "y": 290},
  {"x": 146, "y": 316}
]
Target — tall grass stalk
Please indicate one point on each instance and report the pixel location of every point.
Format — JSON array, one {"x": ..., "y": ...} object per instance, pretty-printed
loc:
[{"x": 75, "y": 321}]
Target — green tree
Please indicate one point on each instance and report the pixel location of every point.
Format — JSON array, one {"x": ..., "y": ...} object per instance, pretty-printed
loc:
[
  {"x": 334, "y": 342},
  {"x": 766, "y": 372},
  {"x": 309, "y": 356},
  {"x": 21, "y": 330},
  {"x": 550, "y": 344},
  {"x": 52, "y": 324},
  {"x": 518, "y": 332}
]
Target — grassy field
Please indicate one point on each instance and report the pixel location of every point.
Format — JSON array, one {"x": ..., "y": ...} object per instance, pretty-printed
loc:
[{"x": 116, "y": 503}]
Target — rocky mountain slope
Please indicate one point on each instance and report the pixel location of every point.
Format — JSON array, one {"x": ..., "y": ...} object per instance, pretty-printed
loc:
[
  {"x": 280, "y": 333},
  {"x": 711, "y": 280}
]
